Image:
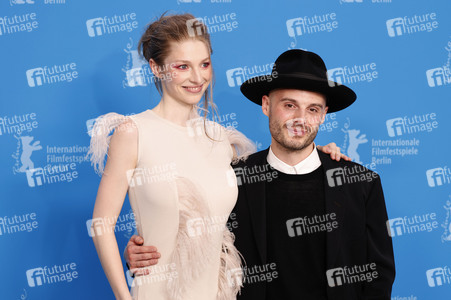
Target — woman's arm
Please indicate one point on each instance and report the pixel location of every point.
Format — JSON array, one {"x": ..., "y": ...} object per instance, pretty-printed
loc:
[{"x": 122, "y": 156}]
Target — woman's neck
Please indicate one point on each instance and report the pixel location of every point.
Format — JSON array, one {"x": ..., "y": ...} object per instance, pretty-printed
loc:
[{"x": 175, "y": 112}]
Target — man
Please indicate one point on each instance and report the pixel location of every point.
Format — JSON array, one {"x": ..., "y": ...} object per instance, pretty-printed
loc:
[{"x": 308, "y": 227}]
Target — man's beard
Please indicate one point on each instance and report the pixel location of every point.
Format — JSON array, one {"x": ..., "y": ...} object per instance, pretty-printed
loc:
[{"x": 281, "y": 135}]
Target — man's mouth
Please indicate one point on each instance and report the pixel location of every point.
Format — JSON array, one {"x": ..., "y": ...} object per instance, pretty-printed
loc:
[{"x": 295, "y": 128}]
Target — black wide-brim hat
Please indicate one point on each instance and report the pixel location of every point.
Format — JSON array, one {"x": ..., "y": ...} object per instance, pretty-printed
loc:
[{"x": 301, "y": 70}]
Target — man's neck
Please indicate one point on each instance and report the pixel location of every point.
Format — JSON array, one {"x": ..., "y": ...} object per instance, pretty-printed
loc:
[{"x": 290, "y": 157}]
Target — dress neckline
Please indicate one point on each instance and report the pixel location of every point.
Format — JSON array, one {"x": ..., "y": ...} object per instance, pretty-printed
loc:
[{"x": 177, "y": 126}]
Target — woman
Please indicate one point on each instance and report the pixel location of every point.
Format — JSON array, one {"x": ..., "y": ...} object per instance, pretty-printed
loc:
[{"x": 175, "y": 166}]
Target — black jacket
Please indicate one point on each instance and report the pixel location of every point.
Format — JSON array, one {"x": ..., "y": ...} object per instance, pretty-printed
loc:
[{"x": 361, "y": 237}]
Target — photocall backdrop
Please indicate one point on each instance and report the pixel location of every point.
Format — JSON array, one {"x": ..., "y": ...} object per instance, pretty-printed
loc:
[{"x": 64, "y": 63}]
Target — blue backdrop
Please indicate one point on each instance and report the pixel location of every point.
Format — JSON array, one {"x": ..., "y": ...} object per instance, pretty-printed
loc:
[{"x": 64, "y": 63}]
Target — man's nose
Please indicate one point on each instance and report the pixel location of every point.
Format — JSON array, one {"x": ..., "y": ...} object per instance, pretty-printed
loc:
[{"x": 300, "y": 116}]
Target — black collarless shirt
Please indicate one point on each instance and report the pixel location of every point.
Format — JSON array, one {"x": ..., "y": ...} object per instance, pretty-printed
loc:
[{"x": 297, "y": 246}]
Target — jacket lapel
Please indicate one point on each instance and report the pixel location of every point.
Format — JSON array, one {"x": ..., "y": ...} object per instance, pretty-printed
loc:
[
  {"x": 256, "y": 199},
  {"x": 335, "y": 203}
]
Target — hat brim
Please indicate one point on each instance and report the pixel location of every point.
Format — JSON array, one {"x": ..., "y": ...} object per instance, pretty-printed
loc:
[{"x": 338, "y": 96}]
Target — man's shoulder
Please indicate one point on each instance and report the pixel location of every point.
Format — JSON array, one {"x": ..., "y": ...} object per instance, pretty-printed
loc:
[
  {"x": 256, "y": 158},
  {"x": 345, "y": 167}
]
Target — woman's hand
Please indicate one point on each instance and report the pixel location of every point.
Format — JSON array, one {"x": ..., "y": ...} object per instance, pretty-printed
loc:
[{"x": 334, "y": 151}]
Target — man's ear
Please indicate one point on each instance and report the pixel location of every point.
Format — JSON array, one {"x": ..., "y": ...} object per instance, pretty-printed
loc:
[
  {"x": 154, "y": 67},
  {"x": 265, "y": 105}
]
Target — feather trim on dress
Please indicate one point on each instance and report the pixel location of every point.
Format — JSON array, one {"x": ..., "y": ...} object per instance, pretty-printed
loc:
[
  {"x": 244, "y": 146},
  {"x": 100, "y": 139},
  {"x": 231, "y": 271},
  {"x": 195, "y": 249}
]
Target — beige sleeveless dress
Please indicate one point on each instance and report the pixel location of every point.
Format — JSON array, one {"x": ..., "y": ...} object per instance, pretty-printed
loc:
[{"x": 182, "y": 192}]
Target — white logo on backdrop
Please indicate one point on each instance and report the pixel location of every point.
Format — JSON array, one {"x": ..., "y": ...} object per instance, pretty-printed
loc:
[
  {"x": 446, "y": 236},
  {"x": 25, "y": 149},
  {"x": 352, "y": 141},
  {"x": 135, "y": 74}
]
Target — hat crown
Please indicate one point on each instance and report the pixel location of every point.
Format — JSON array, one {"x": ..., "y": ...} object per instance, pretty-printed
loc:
[{"x": 301, "y": 62}]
